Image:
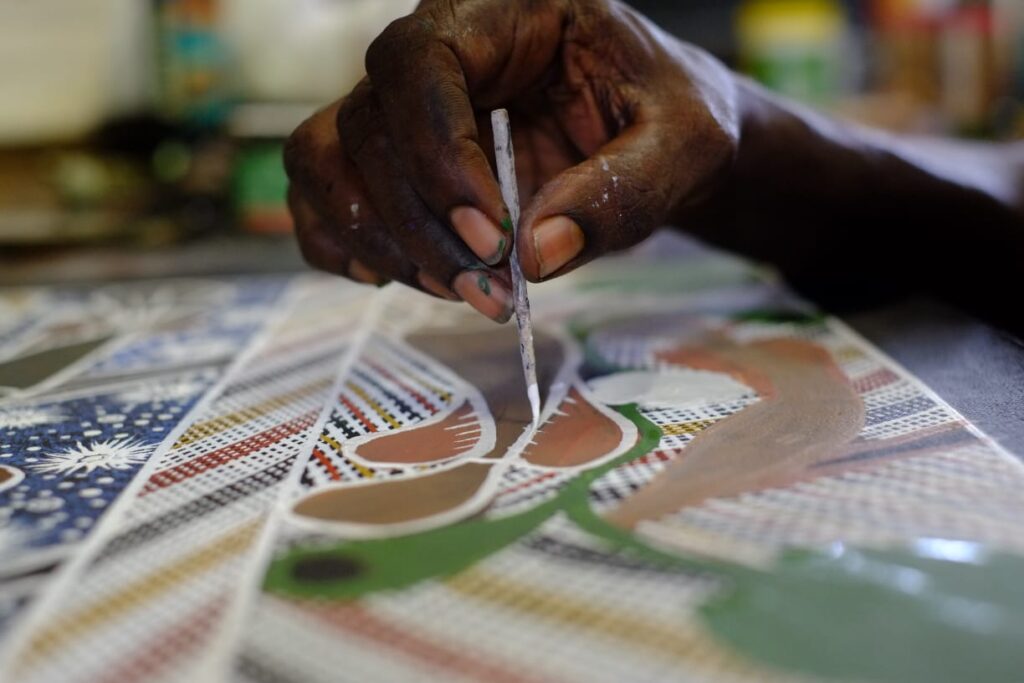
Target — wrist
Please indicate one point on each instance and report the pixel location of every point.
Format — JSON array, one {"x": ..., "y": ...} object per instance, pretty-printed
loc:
[
  {"x": 753, "y": 115},
  {"x": 708, "y": 105}
]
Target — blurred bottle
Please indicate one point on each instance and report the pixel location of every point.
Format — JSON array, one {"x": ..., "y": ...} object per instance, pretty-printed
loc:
[
  {"x": 907, "y": 35},
  {"x": 1009, "y": 26},
  {"x": 192, "y": 63},
  {"x": 259, "y": 185},
  {"x": 795, "y": 47},
  {"x": 968, "y": 68},
  {"x": 957, "y": 59},
  {"x": 1018, "y": 77},
  {"x": 289, "y": 58},
  {"x": 310, "y": 51},
  {"x": 67, "y": 66}
]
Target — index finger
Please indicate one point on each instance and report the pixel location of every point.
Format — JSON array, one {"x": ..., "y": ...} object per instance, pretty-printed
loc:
[{"x": 429, "y": 70}]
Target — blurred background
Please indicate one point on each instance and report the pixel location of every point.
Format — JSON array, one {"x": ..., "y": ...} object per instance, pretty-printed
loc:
[{"x": 143, "y": 137}]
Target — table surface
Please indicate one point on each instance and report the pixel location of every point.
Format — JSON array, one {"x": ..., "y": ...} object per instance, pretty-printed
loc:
[{"x": 977, "y": 369}]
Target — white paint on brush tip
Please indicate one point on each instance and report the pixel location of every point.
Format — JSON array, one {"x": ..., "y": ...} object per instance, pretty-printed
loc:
[{"x": 533, "y": 392}]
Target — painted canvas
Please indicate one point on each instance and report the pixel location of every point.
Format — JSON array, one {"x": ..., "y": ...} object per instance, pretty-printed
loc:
[
  {"x": 347, "y": 485},
  {"x": 91, "y": 383}
]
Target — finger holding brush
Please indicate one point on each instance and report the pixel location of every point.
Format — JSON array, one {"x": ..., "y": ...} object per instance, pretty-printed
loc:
[
  {"x": 589, "y": 85},
  {"x": 621, "y": 128}
]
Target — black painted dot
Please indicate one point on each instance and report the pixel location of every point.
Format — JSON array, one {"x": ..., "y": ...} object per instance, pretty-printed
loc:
[{"x": 326, "y": 568}]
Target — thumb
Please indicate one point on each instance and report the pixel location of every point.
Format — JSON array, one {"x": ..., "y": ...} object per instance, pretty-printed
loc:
[{"x": 609, "y": 202}]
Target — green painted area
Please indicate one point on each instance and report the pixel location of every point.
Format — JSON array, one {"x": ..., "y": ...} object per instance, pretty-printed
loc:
[
  {"x": 506, "y": 224},
  {"x": 388, "y": 564},
  {"x": 31, "y": 369},
  {"x": 894, "y": 616},
  {"x": 353, "y": 569}
]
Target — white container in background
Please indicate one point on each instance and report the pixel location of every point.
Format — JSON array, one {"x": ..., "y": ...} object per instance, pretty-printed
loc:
[
  {"x": 302, "y": 50},
  {"x": 66, "y": 65}
]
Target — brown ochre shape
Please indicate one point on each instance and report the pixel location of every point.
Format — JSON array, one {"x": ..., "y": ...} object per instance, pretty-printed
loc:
[
  {"x": 576, "y": 434},
  {"x": 458, "y": 432},
  {"x": 396, "y": 501},
  {"x": 808, "y": 412}
]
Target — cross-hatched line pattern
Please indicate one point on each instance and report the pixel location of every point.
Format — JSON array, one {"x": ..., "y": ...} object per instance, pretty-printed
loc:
[
  {"x": 169, "y": 569},
  {"x": 79, "y": 438}
]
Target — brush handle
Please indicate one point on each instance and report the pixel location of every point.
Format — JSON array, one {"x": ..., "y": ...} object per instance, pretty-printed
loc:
[{"x": 506, "y": 160}]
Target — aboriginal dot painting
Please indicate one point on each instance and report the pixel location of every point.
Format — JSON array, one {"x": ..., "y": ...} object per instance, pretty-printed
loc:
[{"x": 294, "y": 478}]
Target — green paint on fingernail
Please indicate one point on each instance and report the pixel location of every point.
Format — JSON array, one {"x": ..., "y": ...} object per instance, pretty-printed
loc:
[
  {"x": 501, "y": 249},
  {"x": 484, "y": 284},
  {"x": 506, "y": 224}
]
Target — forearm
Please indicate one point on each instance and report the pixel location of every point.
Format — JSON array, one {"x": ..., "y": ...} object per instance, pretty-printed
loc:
[{"x": 850, "y": 210}]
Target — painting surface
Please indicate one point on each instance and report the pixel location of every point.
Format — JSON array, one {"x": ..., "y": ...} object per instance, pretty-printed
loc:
[
  {"x": 91, "y": 383},
  {"x": 360, "y": 495}
]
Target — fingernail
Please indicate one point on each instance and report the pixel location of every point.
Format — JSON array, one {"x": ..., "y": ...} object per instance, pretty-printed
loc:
[
  {"x": 357, "y": 270},
  {"x": 480, "y": 234},
  {"x": 433, "y": 285},
  {"x": 556, "y": 241},
  {"x": 485, "y": 294}
]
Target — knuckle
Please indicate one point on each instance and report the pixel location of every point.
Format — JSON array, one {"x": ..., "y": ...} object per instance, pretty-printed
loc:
[
  {"x": 350, "y": 119},
  {"x": 414, "y": 231},
  {"x": 358, "y": 131},
  {"x": 393, "y": 42},
  {"x": 368, "y": 152},
  {"x": 443, "y": 161},
  {"x": 317, "y": 255},
  {"x": 310, "y": 254},
  {"x": 638, "y": 202},
  {"x": 297, "y": 150},
  {"x": 465, "y": 152}
]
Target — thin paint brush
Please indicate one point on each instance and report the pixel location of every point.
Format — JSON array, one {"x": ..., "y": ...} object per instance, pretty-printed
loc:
[{"x": 506, "y": 161}]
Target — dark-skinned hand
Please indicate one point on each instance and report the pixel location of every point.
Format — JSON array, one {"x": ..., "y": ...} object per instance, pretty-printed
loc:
[{"x": 617, "y": 127}]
